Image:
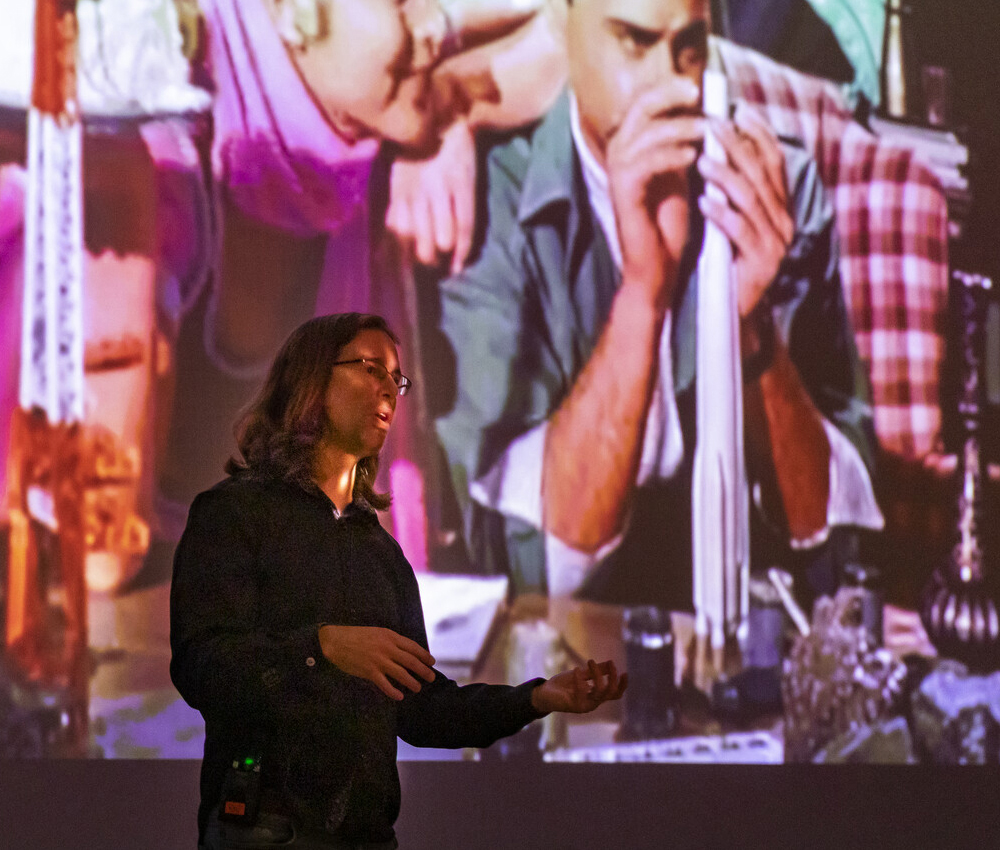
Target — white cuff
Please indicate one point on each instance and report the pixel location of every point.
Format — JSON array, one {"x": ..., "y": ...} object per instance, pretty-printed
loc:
[
  {"x": 513, "y": 485},
  {"x": 851, "y": 500},
  {"x": 567, "y": 568}
]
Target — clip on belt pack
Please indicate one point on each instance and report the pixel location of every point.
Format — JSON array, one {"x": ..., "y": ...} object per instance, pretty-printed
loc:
[{"x": 241, "y": 791}]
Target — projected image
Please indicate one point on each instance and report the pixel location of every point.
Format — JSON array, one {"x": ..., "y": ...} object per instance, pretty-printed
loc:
[{"x": 700, "y": 320}]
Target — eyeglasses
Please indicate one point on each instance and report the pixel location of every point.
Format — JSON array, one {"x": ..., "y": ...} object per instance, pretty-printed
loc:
[{"x": 378, "y": 371}]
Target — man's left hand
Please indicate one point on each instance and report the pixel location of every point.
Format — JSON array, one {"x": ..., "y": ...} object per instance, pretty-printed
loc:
[
  {"x": 581, "y": 689},
  {"x": 755, "y": 213}
]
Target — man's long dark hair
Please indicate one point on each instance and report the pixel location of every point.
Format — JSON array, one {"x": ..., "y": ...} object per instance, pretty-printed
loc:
[{"x": 278, "y": 434}]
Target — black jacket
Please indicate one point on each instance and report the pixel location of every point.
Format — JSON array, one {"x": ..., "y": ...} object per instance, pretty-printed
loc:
[{"x": 261, "y": 565}]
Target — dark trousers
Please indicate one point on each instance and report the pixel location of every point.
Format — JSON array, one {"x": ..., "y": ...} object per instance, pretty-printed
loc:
[{"x": 272, "y": 831}]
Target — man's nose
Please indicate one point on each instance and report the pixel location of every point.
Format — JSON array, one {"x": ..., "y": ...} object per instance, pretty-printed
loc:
[{"x": 659, "y": 64}]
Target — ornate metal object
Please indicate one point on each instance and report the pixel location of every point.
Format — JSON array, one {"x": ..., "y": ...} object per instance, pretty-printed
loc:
[{"x": 960, "y": 610}]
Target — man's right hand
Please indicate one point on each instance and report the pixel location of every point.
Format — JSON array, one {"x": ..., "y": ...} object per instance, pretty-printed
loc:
[
  {"x": 647, "y": 161},
  {"x": 378, "y": 655}
]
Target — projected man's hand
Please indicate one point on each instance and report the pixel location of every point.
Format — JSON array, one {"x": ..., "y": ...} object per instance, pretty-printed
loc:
[
  {"x": 755, "y": 213},
  {"x": 647, "y": 160},
  {"x": 378, "y": 655}
]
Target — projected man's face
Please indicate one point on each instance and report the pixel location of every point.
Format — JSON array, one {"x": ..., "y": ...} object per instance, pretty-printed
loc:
[
  {"x": 370, "y": 70},
  {"x": 620, "y": 48}
]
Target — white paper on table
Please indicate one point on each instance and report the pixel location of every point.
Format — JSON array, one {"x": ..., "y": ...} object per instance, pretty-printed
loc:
[
  {"x": 720, "y": 501},
  {"x": 458, "y": 612}
]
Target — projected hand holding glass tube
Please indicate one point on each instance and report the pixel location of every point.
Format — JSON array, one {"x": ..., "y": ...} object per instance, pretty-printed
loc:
[{"x": 720, "y": 523}]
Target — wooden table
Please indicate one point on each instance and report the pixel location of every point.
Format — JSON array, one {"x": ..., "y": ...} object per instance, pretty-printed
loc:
[{"x": 592, "y": 630}]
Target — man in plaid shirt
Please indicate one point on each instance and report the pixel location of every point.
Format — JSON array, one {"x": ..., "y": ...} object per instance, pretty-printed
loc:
[{"x": 570, "y": 427}]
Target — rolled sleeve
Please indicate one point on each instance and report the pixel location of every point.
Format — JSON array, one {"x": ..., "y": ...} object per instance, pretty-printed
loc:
[{"x": 513, "y": 485}]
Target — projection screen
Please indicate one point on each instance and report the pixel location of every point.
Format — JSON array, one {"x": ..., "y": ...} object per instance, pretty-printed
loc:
[{"x": 183, "y": 182}]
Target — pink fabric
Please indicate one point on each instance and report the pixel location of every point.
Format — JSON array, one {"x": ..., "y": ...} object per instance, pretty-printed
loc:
[
  {"x": 273, "y": 155},
  {"x": 12, "y": 197},
  {"x": 185, "y": 239},
  {"x": 274, "y": 152},
  {"x": 278, "y": 159}
]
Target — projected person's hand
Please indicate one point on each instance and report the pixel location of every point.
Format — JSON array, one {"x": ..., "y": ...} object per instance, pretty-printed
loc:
[
  {"x": 432, "y": 201},
  {"x": 755, "y": 214},
  {"x": 580, "y": 690},
  {"x": 647, "y": 160},
  {"x": 378, "y": 655}
]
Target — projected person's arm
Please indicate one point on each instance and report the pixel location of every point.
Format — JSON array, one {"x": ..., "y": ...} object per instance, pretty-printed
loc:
[
  {"x": 477, "y": 19},
  {"x": 594, "y": 440},
  {"x": 527, "y": 68},
  {"x": 432, "y": 201},
  {"x": 516, "y": 78},
  {"x": 510, "y": 53},
  {"x": 784, "y": 426}
]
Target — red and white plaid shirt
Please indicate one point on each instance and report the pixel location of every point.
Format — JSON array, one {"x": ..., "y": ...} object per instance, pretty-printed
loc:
[{"x": 892, "y": 220}]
